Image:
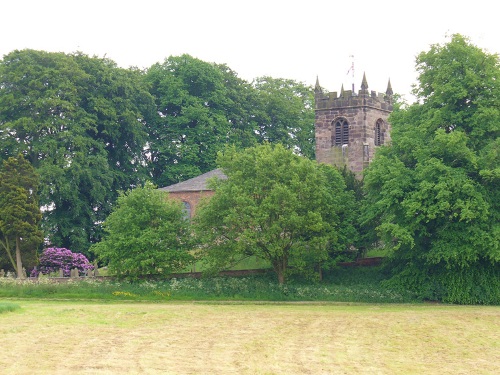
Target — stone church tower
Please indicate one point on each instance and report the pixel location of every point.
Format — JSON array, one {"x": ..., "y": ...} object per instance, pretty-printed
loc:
[{"x": 350, "y": 126}]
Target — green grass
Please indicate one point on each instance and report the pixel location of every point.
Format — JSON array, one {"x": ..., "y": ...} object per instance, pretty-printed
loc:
[
  {"x": 7, "y": 306},
  {"x": 247, "y": 263},
  {"x": 251, "y": 263},
  {"x": 341, "y": 285},
  {"x": 377, "y": 252}
]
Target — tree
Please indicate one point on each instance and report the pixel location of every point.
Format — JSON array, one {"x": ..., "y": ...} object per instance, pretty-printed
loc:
[
  {"x": 285, "y": 114},
  {"x": 19, "y": 210},
  {"x": 80, "y": 121},
  {"x": 201, "y": 107},
  {"x": 434, "y": 193},
  {"x": 147, "y": 234},
  {"x": 240, "y": 109},
  {"x": 197, "y": 104},
  {"x": 275, "y": 205}
]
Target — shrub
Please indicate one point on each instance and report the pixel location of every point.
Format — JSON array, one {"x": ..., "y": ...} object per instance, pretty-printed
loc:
[
  {"x": 477, "y": 284},
  {"x": 55, "y": 258}
]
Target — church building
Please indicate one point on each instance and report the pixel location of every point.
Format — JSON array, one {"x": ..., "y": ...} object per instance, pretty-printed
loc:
[{"x": 349, "y": 126}]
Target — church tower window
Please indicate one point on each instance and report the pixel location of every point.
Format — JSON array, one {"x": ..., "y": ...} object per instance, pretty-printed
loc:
[
  {"x": 379, "y": 139},
  {"x": 341, "y": 132}
]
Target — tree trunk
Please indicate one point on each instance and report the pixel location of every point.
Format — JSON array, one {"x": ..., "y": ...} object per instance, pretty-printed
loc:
[
  {"x": 19, "y": 263},
  {"x": 6, "y": 246},
  {"x": 281, "y": 277},
  {"x": 279, "y": 266}
]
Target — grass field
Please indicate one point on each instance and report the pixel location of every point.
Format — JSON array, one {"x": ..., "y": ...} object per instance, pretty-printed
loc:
[{"x": 65, "y": 337}]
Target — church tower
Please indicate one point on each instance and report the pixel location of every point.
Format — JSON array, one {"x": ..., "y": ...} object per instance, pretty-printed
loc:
[{"x": 350, "y": 126}]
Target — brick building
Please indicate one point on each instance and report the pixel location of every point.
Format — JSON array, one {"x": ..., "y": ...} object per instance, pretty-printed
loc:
[
  {"x": 350, "y": 126},
  {"x": 191, "y": 191}
]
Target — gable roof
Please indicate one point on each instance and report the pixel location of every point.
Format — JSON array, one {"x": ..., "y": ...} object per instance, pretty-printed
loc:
[{"x": 198, "y": 183}]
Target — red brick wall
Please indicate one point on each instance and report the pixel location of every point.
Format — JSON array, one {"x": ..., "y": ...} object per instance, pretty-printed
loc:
[{"x": 191, "y": 197}]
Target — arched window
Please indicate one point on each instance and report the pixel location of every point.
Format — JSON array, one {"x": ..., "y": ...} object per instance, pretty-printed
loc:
[
  {"x": 340, "y": 132},
  {"x": 187, "y": 210},
  {"x": 379, "y": 137}
]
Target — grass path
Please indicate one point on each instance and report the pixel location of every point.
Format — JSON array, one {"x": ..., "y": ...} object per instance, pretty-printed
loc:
[{"x": 55, "y": 337}]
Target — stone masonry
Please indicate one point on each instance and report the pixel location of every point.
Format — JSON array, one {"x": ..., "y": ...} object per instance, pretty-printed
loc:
[{"x": 364, "y": 116}]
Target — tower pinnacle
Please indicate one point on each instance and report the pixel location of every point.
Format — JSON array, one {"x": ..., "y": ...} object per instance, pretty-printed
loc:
[
  {"x": 389, "y": 91},
  {"x": 317, "y": 87},
  {"x": 364, "y": 83}
]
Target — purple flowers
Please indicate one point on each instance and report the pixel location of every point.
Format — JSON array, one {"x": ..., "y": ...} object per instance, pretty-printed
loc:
[{"x": 53, "y": 259}]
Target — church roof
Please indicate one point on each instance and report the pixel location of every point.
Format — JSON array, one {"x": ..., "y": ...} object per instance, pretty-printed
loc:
[{"x": 198, "y": 183}]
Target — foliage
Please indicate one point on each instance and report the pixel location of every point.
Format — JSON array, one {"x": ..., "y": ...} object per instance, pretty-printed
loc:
[
  {"x": 267, "y": 289},
  {"x": 277, "y": 206},
  {"x": 92, "y": 129},
  {"x": 353, "y": 285},
  {"x": 20, "y": 214},
  {"x": 434, "y": 193},
  {"x": 285, "y": 114},
  {"x": 54, "y": 259},
  {"x": 202, "y": 106},
  {"x": 478, "y": 283},
  {"x": 147, "y": 234},
  {"x": 198, "y": 104},
  {"x": 80, "y": 122}
]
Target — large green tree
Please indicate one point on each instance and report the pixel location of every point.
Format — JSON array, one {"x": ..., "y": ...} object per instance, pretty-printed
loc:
[
  {"x": 201, "y": 107},
  {"x": 198, "y": 106},
  {"x": 19, "y": 211},
  {"x": 285, "y": 114},
  {"x": 80, "y": 121},
  {"x": 147, "y": 235},
  {"x": 434, "y": 193},
  {"x": 277, "y": 206}
]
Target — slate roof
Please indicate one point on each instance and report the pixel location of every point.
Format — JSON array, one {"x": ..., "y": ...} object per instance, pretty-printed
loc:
[{"x": 195, "y": 184}]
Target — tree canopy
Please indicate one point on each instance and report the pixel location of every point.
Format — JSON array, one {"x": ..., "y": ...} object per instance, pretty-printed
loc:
[
  {"x": 192, "y": 124},
  {"x": 19, "y": 211},
  {"x": 201, "y": 107},
  {"x": 286, "y": 114},
  {"x": 91, "y": 128},
  {"x": 81, "y": 123},
  {"x": 275, "y": 205},
  {"x": 434, "y": 192},
  {"x": 146, "y": 235}
]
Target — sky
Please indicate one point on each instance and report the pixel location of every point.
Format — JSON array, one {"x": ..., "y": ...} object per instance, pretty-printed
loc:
[{"x": 300, "y": 40}]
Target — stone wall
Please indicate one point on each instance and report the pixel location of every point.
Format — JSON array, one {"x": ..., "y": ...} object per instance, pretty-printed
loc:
[{"x": 362, "y": 111}]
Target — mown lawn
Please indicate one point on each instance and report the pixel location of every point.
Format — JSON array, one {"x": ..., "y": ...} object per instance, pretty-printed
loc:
[{"x": 61, "y": 337}]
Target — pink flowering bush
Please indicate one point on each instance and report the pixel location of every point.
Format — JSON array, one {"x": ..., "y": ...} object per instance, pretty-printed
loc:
[{"x": 54, "y": 258}]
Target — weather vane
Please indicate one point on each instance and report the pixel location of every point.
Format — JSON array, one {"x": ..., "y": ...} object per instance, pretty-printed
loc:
[{"x": 351, "y": 69}]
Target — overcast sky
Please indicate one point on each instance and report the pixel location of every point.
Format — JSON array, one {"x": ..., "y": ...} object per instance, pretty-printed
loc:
[{"x": 283, "y": 39}]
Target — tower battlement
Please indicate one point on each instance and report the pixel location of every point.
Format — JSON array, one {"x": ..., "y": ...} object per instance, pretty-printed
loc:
[
  {"x": 347, "y": 99},
  {"x": 349, "y": 126}
]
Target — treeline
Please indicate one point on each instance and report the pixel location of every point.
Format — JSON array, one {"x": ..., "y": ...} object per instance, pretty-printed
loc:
[
  {"x": 92, "y": 129},
  {"x": 434, "y": 195},
  {"x": 430, "y": 199}
]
